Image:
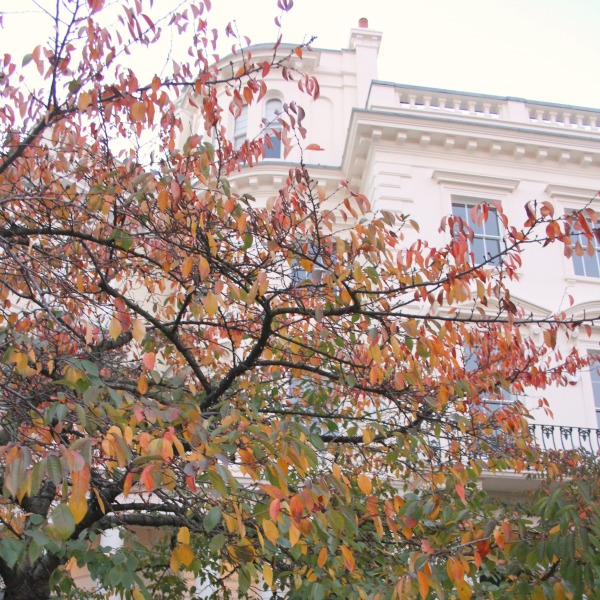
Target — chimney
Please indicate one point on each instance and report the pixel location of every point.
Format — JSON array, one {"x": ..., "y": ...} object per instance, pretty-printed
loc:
[{"x": 365, "y": 42}]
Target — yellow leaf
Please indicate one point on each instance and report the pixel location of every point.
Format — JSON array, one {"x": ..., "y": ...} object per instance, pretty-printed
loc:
[
  {"x": 271, "y": 531},
  {"x": 78, "y": 506},
  {"x": 378, "y": 526},
  {"x": 322, "y": 559},
  {"x": 115, "y": 328},
  {"x": 183, "y": 536},
  {"x": 138, "y": 331},
  {"x": 137, "y": 594},
  {"x": 268, "y": 574},
  {"x": 211, "y": 305},
  {"x": 464, "y": 590},
  {"x": 185, "y": 554},
  {"x": 368, "y": 436},
  {"x": 364, "y": 484}
]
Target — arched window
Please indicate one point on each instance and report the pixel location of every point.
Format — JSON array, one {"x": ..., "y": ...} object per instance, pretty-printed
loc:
[
  {"x": 240, "y": 128},
  {"x": 273, "y": 109}
]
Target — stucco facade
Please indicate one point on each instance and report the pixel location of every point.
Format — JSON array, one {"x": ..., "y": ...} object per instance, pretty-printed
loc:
[{"x": 418, "y": 151}]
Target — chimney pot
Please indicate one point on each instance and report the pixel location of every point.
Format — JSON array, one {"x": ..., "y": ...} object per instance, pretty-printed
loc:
[{"x": 363, "y": 23}]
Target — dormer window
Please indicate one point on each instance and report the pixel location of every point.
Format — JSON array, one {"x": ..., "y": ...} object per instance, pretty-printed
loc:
[
  {"x": 273, "y": 108},
  {"x": 240, "y": 128}
]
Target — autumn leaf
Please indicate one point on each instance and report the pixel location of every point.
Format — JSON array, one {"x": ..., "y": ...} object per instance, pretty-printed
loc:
[
  {"x": 364, "y": 484},
  {"x": 149, "y": 360}
]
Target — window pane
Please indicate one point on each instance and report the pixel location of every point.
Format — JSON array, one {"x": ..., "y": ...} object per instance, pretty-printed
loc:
[
  {"x": 273, "y": 108},
  {"x": 492, "y": 248},
  {"x": 240, "y": 128},
  {"x": 491, "y": 225},
  {"x": 275, "y": 151},
  {"x": 591, "y": 265},
  {"x": 478, "y": 250}
]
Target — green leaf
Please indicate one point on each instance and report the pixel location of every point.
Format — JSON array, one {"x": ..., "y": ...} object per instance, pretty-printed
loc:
[
  {"x": 54, "y": 468},
  {"x": 11, "y": 550},
  {"x": 212, "y": 518},
  {"x": 217, "y": 542},
  {"x": 243, "y": 579},
  {"x": 63, "y": 521},
  {"x": 218, "y": 484}
]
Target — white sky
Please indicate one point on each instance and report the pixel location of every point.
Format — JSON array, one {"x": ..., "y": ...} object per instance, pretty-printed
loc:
[{"x": 545, "y": 50}]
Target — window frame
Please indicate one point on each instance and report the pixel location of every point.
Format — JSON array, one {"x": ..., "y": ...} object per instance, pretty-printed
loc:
[
  {"x": 579, "y": 262},
  {"x": 594, "y": 372},
  {"x": 468, "y": 203}
]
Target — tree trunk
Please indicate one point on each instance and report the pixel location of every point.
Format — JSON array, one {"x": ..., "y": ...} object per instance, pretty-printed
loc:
[{"x": 32, "y": 582}]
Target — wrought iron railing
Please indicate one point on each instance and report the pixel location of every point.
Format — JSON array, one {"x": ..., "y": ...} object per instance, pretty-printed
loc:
[
  {"x": 547, "y": 438},
  {"x": 560, "y": 437}
]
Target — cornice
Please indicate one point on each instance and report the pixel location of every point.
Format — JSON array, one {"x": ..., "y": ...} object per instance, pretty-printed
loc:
[{"x": 464, "y": 136}]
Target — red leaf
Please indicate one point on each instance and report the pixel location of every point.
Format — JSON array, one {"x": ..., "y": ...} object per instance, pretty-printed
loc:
[
  {"x": 149, "y": 360},
  {"x": 274, "y": 509}
]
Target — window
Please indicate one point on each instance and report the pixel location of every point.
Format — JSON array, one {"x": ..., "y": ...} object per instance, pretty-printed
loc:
[
  {"x": 240, "y": 128},
  {"x": 487, "y": 240},
  {"x": 586, "y": 265},
  {"x": 492, "y": 403},
  {"x": 273, "y": 109}
]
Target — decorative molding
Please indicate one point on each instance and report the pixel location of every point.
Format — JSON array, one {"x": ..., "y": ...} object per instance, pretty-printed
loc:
[
  {"x": 566, "y": 192},
  {"x": 475, "y": 180}
]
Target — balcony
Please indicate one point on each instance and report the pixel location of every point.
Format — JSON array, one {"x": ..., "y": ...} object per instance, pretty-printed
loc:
[{"x": 563, "y": 438}]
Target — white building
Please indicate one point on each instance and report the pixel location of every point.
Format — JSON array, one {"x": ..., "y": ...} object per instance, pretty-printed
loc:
[{"x": 429, "y": 152}]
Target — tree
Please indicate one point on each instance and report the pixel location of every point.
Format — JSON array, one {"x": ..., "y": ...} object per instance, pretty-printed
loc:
[{"x": 283, "y": 396}]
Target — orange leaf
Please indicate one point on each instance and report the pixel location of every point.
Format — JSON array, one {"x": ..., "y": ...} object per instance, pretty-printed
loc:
[
  {"x": 364, "y": 484},
  {"x": 163, "y": 200},
  {"x": 314, "y": 147},
  {"x": 273, "y": 491},
  {"x": 146, "y": 479},
  {"x": 274, "y": 509},
  {"x": 138, "y": 112},
  {"x": 142, "y": 384},
  {"x": 211, "y": 305},
  {"x": 294, "y": 535},
  {"x": 296, "y": 508},
  {"x": 423, "y": 584},
  {"x": 186, "y": 267},
  {"x": 322, "y": 559},
  {"x": 203, "y": 268},
  {"x": 349, "y": 561},
  {"x": 115, "y": 328}
]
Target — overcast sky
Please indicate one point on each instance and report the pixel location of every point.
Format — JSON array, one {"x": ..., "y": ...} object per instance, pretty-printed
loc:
[{"x": 545, "y": 50}]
